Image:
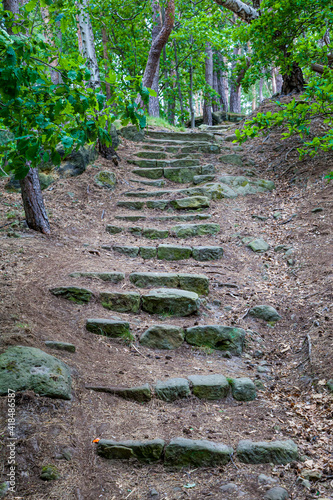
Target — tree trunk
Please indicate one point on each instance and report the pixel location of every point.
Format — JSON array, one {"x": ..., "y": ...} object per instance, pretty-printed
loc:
[
  {"x": 235, "y": 89},
  {"x": 106, "y": 58},
  {"x": 254, "y": 100},
  {"x": 180, "y": 97},
  {"x": 261, "y": 84},
  {"x": 88, "y": 43},
  {"x": 33, "y": 203},
  {"x": 207, "y": 111},
  {"x": 154, "y": 103},
  {"x": 55, "y": 75},
  {"x": 273, "y": 80},
  {"x": 192, "y": 108},
  {"x": 241, "y": 9},
  {"x": 158, "y": 44},
  {"x": 222, "y": 83},
  {"x": 293, "y": 80},
  {"x": 215, "y": 87}
]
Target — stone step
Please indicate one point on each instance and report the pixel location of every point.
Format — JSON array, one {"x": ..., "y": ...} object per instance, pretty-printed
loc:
[
  {"x": 179, "y": 231},
  {"x": 180, "y": 136},
  {"x": 153, "y": 155},
  {"x": 177, "y": 174},
  {"x": 177, "y": 143},
  {"x": 185, "y": 162},
  {"x": 112, "y": 277},
  {"x": 190, "y": 203},
  {"x": 170, "y": 252},
  {"x": 183, "y": 452},
  {"x": 170, "y": 302},
  {"x": 166, "y": 218},
  {"x": 223, "y": 338},
  {"x": 156, "y": 183},
  {"x": 113, "y": 328},
  {"x": 198, "y": 283}
]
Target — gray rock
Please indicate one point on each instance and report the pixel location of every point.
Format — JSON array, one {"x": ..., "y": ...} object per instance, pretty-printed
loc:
[
  {"x": 154, "y": 493},
  {"x": 140, "y": 394},
  {"x": 131, "y": 133},
  {"x": 131, "y": 205},
  {"x": 258, "y": 245},
  {"x": 267, "y": 313},
  {"x": 276, "y": 493},
  {"x": 154, "y": 233},
  {"x": 60, "y": 346},
  {"x": 113, "y": 229},
  {"x": 172, "y": 252},
  {"x": 207, "y": 253},
  {"x": 148, "y": 252},
  {"x": 316, "y": 210},
  {"x": 144, "y": 451},
  {"x": 190, "y": 230},
  {"x": 77, "y": 161},
  {"x": 329, "y": 385},
  {"x": 263, "y": 479},
  {"x": 182, "y": 452},
  {"x": 208, "y": 169},
  {"x": 127, "y": 250},
  {"x": 109, "y": 328},
  {"x": 209, "y": 386},
  {"x": 172, "y": 389},
  {"x": 229, "y": 488},
  {"x": 243, "y": 389},
  {"x": 198, "y": 283},
  {"x": 232, "y": 159},
  {"x": 149, "y": 173},
  {"x": 106, "y": 179},
  {"x": 121, "y": 302},
  {"x": 200, "y": 179},
  {"x": 163, "y": 337},
  {"x": 135, "y": 230},
  {"x": 157, "y": 204},
  {"x": 224, "y": 338},
  {"x": 29, "y": 368},
  {"x": 261, "y": 452},
  {"x": 110, "y": 277},
  {"x": 73, "y": 293},
  {"x": 181, "y": 174},
  {"x": 171, "y": 302},
  {"x": 192, "y": 202}
]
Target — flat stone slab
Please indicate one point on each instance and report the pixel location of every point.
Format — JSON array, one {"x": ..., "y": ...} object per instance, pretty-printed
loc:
[
  {"x": 113, "y": 229},
  {"x": 129, "y": 251},
  {"x": 232, "y": 159},
  {"x": 144, "y": 451},
  {"x": 182, "y": 452},
  {"x": 209, "y": 386},
  {"x": 171, "y": 302},
  {"x": 207, "y": 253},
  {"x": 278, "y": 493},
  {"x": 186, "y": 162},
  {"x": 163, "y": 337},
  {"x": 265, "y": 312},
  {"x": 154, "y": 233},
  {"x": 193, "y": 202},
  {"x": 121, "y": 302},
  {"x": 172, "y": 252},
  {"x": 131, "y": 205},
  {"x": 186, "y": 217},
  {"x": 158, "y": 204},
  {"x": 198, "y": 283},
  {"x": 181, "y": 174},
  {"x": 202, "y": 148},
  {"x": 181, "y": 136},
  {"x": 109, "y": 328},
  {"x": 262, "y": 452},
  {"x": 201, "y": 179},
  {"x": 28, "y": 368},
  {"x": 149, "y": 173},
  {"x": 191, "y": 230},
  {"x": 258, "y": 245},
  {"x": 155, "y": 183},
  {"x": 224, "y": 338},
  {"x": 172, "y": 389},
  {"x": 243, "y": 389},
  {"x": 141, "y": 394},
  {"x": 154, "y": 155},
  {"x": 130, "y": 218},
  {"x": 111, "y": 277},
  {"x": 60, "y": 346},
  {"x": 73, "y": 293},
  {"x": 148, "y": 252}
]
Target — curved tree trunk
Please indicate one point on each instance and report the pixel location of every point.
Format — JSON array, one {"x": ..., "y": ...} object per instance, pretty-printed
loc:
[
  {"x": 293, "y": 80},
  {"x": 35, "y": 213},
  {"x": 207, "y": 110},
  {"x": 154, "y": 103}
]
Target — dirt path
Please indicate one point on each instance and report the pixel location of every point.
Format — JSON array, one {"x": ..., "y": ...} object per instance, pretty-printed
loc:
[{"x": 289, "y": 361}]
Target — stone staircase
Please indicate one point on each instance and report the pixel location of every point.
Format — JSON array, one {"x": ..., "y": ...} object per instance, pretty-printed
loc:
[{"x": 173, "y": 294}]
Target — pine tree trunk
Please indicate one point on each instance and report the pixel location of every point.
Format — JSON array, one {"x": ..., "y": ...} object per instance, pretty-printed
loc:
[
  {"x": 33, "y": 203},
  {"x": 235, "y": 89},
  {"x": 207, "y": 111},
  {"x": 154, "y": 103}
]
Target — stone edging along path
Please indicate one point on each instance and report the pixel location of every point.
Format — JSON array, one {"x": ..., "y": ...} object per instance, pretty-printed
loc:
[
  {"x": 170, "y": 252},
  {"x": 181, "y": 452},
  {"x": 210, "y": 387},
  {"x": 178, "y": 231}
]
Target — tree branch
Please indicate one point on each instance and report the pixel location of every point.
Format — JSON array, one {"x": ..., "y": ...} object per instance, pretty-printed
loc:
[{"x": 241, "y": 9}]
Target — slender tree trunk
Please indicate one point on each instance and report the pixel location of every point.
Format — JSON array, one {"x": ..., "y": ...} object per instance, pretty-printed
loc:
[
  {"x": 180, "y": 97},
  {"x": 222, "y": 83},
  {"x": 235, "y": 89},
  {"x": 35, "y": 213},
  {"x": 106, "y": 58},
  {"x": 192, "y": 108},
  {"x": 261, "y": 84},
  {"x": 207, "y": 111},
  {"x": 279, "y": 81},
  {"x": 254, "y": 100},
  {"x": 88, "y": 43},
  {"x": 55, "y": 75},
  {"x": 154, "y": 103},
  {"x": 215, "y": 87},
  {"x": 158, "y": 44},
  {"x": 273, "y": 80}
]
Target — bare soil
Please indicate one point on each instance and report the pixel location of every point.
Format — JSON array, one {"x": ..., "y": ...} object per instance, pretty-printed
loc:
[{"x": 297, "y": 350}]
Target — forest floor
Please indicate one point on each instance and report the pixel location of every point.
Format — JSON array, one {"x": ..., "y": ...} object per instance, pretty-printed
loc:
[{"x": 297, "y": 352}]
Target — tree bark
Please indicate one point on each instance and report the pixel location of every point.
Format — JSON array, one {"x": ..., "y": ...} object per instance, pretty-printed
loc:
[
  {"x": 241, "y": 9},
  {"x": 293, "y": 80},
  {"x": 192, "y": 108},
  {"x": 158, "y": 44},
  {"x": 33, "y": 203},
  {"x": 106, "y": 58},
  {"x": 154, "y": 103},
  {"x": 180, "y": 97},
  {"x": 235, "y": 89},
  {"x": 215, "y": 87},
  {"x": 261, "y": 84},
  {"x": 222, "y": 83},
  {"x": 207, "y": 110},
  {"x": 88, "y": 43}
]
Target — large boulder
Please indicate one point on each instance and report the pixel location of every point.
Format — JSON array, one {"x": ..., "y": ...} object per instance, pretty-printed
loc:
[
  {"x": 224, "y": 338},
  {"x": 28, "y": 368},
  {"x": 76, "y": 162}
]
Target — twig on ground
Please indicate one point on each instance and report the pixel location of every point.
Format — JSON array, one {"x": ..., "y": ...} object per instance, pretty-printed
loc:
[
  {"x": 314, "y": 293},
  {"x": 137, "y": 350}
]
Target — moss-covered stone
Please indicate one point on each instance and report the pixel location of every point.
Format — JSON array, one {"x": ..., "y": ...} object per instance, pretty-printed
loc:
[
  {"x": 113, "y": 229},
  {"x": 198, "y": 283},
  {"x": 144, "y": 451},
  {"x": 73, "y": 293},
  {"x": 49, "y": 473},
  {"x": 202, "y": 148},
  {"x": 154, "y": 233},
  {"x": 171, "y": 302},
  {"x": 60, "y": 346},
  {"x": 109, "y": 277},
  {"x": 150, "y": 280},
  {"x": 172, "y": 389},
  {"x": 207, "y": 253},
  {"x": 131, "y": 205},
  {"x": 192, "y": 202},
  {"x": 109, "y": 328},
  {"x": 191, "y": 230},
  {"x": 209, "y": 386},
  {"x": 141, "y": 394},
  {"x": 258, "y": 245},
  {"x": 265, "y": 312},
  {"x": 154, "y": 155},
  {"x": 157, "y": 204},
  {"x": 232, "y": 159},
  {"x": 106, "y": 179},
  {"x": 243, "y": 389},
  {"x": 262, "y": 452},
  {"x": 223, "y": 338},
  {"x": 172, "y": 252},
  {"x": 126, "y": 250},
  {"x": 163, "y": 337},
  {"x": 201, "y": 179},
  {"x": 121, "y": 302},
  {"x": 135, "y": 230},
  {"x": 182, "y": 452},
  {"x": 148, "y": 252},
  {"x": 181, "y": 174},
  {"x": 29, "y": 368},
  {"x": 149, "y": 173},
  {"x": 208, "y": 169},
  {"x": 130, "y": 218}
]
